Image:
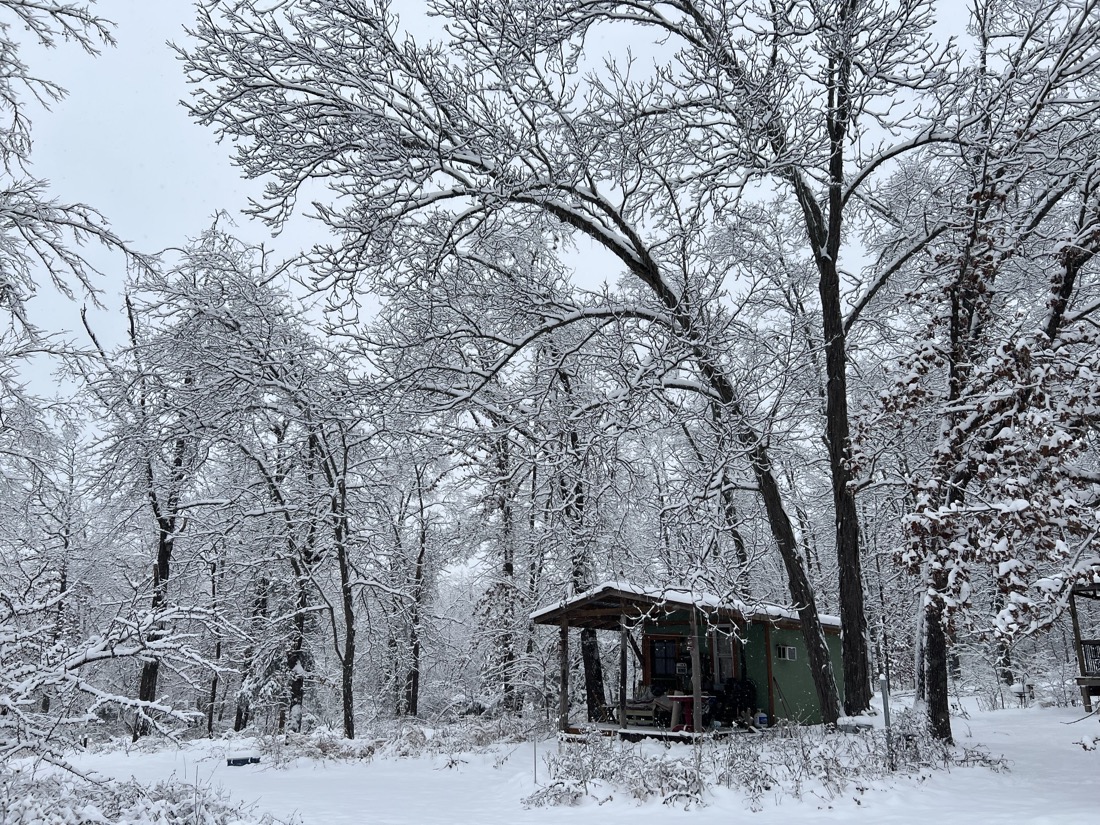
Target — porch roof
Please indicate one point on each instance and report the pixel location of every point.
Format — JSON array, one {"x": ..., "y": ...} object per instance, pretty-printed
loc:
[{"x": 602, "y": 607}]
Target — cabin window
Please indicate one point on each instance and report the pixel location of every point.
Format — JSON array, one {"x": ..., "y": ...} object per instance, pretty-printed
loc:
[
  {"x": 786, "y": 653},
  {"x": 723, "y": 644},
  {"x": 663, "y": 656}
]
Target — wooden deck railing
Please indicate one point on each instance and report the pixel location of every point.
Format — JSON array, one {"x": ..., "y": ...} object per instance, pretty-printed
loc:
[{"x": 1090, "y": 648}]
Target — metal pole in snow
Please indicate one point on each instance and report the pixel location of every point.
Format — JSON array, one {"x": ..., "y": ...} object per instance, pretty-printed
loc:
[{"x": 884, "y": 688}]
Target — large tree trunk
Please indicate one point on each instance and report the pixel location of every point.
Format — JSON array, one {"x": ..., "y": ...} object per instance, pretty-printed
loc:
[
  {"x": 824, "y": 224},
  {"x": 164, "y": 509},
  {"x": 920, "y": 673},
  {"x": 574, "y": 501},
  {"x": 593, "y": 675},
  {"x": 243, "y": 713},
  {"x": 508, "y": 592},
  {"x": 150, "y": 669},
  {"x": 213, "y": 698},
  {"x": 412, "y": 678},
  {"x": 297, "y": 660},
  {"x": 853, "y": 617},
  {"x": 347, "y": 655},
  {"x": 824, "y": 231},
  {"x": 935, "y": 654},
  {"x": 595, "y": 697},
  {"x": 336, "y": 477},
  {"x": 802, "y": 594}
]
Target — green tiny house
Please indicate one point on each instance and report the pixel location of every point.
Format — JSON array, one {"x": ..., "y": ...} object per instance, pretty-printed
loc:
[{"x": 754, "y": 658}]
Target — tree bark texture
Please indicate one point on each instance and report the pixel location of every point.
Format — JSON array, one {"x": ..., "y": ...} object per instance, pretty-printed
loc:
[
  {"x": 150, "y": 669},
  {"x": 802, "y": 595},
  {"x": 412, "y": 678},
  {"x": 297, "y": 660},
  {"x": 593, "y": 675},
  {"x": 935, "y": 652}
]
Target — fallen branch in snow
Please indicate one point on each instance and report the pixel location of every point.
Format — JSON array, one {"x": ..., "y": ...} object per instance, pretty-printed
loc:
[{"x": 1089, "y": 715}]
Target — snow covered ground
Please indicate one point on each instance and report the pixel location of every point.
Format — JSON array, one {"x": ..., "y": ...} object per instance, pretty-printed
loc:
[{"x": 1052, "y": 778}]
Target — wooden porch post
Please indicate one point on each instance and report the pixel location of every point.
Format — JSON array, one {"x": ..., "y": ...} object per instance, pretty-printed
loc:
[
  {"x": 1085, "y": 698},
  {"x": 563, "y": 696},
  {"x": 696, "y": 676},
  {"x": 622, "y": 669}
]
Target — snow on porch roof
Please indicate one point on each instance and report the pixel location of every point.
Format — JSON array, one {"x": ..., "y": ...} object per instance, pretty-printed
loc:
[{"x": 603, "y": 604}]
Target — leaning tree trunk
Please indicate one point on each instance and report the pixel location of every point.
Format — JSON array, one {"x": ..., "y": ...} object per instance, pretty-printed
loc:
[
  {"x": 824, "y": 232},
  {"x": 802, "y": 594}
]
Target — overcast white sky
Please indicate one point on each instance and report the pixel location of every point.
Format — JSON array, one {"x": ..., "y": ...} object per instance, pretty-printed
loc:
[{"x": 122, "y": 143}]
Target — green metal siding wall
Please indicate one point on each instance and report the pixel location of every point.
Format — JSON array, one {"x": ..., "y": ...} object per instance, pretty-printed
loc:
[
  {"x": 795, "y": 695},
  {"x": 756, "y": 663}
]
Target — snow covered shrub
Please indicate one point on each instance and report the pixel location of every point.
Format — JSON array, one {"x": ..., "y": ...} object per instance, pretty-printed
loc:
[
  {"x": 404, "y": 739},
  {"x": 788, "y": 761},
  {"x": 474, "y": 733},
  {"x": 411, "y": 740},
  {"x": 558, "y": 793},
  {"x": 737, "y": 764},
  {"x": 599, "y": 765},
  {"x": 318, "y": 744},
  {"x": 68, "y": 800},
  {"x": 915, "y": 748}
]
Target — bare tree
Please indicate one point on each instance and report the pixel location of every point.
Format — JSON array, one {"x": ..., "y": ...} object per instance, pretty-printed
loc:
[
  {"x": 1017, "y": 197},
  {"x": 39, "y": 236},
  {"x": 513, "y": 131}
]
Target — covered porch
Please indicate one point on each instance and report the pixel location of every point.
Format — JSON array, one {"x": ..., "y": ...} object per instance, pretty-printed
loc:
[
  {"x": 702, "y": 663},
  {"x": 1088, "y": 649}
]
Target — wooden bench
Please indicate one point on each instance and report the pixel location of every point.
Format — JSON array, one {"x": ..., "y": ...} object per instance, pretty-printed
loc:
[{"x": 640, "y": 713}]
